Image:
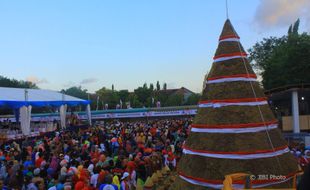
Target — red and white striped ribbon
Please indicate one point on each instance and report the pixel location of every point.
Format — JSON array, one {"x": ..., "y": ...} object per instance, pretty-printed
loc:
[
  {"x": 229, "y": 38},
  {"x": 232, "y": 78},
  {"x": 234, "y": 128},
  {"x": 217, "y": 184},
  {"x": 229, "y": 56},
  {"x": 253, "y": 129},
  {"x": 233, "y": 102},
  {"x": 237, "y": 155}
]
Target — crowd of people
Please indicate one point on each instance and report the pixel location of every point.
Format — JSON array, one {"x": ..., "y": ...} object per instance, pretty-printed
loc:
[
  {"x": 115, "y": 155},
  {"x": 301, "y": 153}
]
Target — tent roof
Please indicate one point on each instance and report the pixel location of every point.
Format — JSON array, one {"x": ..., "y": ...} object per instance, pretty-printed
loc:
[{"x": 15, "y": 98}]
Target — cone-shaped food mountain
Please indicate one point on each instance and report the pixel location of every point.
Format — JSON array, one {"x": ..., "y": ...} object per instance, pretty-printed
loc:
[{"x": 234, "y": 130}]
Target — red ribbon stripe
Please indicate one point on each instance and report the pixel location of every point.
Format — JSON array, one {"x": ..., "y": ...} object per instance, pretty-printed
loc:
[{"x": 233, "y": 126}]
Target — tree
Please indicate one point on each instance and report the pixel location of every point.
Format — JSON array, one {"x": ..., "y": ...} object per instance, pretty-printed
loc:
[
  {"x": 123, "y": 95},
  {"x": 296, "y": 26},
  {"x": 261, "y": 52},
  {"x": 193, "y": 99},
  {"x": 6, "y": 82},
  {"x": 76, "y": 91},
  {"x": 293, "y": 29},
  {"x": 157, "y": 86},
  {"x": 283, "y": 61},
  {"x": 134, "y": 101},
  {"x": 108, "y": 96},
  {"x": 165, "y": 86},
  {"x": 143, "y": 93},
  {"x": 174, "y": 100},
  {"x": 162, "y": 97},
  {"x": 151, "y": 87}
]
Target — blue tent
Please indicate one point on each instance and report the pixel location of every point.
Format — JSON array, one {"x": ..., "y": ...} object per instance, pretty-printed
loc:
[
  {"x": 22, "y": 100},
  {"x": 18, "y": 97}
]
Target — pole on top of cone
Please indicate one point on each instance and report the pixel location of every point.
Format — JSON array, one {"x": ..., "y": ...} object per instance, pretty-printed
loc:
[{"x": 227, "y": 9}]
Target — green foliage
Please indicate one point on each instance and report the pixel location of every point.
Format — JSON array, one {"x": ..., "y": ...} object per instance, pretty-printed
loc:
[
  {"x": 152, "y": 87},
  {"x": 293, "y": 29},
  {"x": 165, "y": 86},
  {"x": 143, "y": 93},
  {"x": 13, "y": 83},
  {"x": 108, "y": 96},
  {"x": 174, "y": 100},
  {"x": 296, "y": 26},
  {"x": 123, "y": 95},
  {"x": 260, "y": 53},
  {"x": 134, "y": 101},
  {"x": 283, "y": 61},
  {"x": 193, "y": 99},
  {"x": 157, "y": 86},
  {"x": 76, "y": 91},
  {"x": 162, "y": 97},
  {"x": 290, "y": 30},
  {"x": 142, "y": 96}
]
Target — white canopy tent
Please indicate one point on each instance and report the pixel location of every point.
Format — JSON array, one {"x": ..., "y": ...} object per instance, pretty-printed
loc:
[{"x": 24, "y": 99}]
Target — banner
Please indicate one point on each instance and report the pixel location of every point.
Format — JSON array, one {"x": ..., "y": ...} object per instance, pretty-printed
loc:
[{"x": 51, "y": 117}]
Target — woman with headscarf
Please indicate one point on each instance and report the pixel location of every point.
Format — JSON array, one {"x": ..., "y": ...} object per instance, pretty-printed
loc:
[{"x": 116, "y": 182}]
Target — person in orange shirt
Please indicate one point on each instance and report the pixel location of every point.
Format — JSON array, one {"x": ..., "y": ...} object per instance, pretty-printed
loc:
[{"x": 39, "y": 160}]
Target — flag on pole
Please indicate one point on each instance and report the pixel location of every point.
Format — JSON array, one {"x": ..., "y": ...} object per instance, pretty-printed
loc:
[{"x": 97, "y": 105}]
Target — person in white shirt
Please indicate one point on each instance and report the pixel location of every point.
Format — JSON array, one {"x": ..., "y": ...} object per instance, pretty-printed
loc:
[{"x": 94, "y": 177}]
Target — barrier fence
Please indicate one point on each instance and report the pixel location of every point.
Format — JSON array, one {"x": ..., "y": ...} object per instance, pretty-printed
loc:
[{"x": 115, "y": 114}]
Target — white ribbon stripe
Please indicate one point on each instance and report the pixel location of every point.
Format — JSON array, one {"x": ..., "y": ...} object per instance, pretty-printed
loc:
[
  {"x": 218, "y": 105},
  {"x": 228, "y": 58},
  {"x": 233, "y": 79},
  {"x": 229, "y": 40},
  {"x": 235, "y": 130},
  {"x": 238, "y": 156}
]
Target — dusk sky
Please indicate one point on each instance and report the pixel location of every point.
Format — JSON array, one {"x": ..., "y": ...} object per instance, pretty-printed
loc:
[{"x": 58, "y": 44}]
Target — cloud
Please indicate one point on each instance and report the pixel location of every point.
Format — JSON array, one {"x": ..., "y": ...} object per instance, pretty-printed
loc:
[
  {"x": 88, "y": 80},
  {"x": 281, "y": 13},
  {"x": 36, "y": 80}
]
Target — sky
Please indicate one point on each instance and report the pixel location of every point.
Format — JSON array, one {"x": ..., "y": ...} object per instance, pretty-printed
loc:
[{"x": 58, "y": 44}]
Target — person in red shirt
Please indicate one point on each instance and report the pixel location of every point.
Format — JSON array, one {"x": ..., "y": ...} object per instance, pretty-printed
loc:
[
  {"x": 171, "y": 161},
  {"x": 39, "y": 160},
  {"x": 153, "y": 131}
]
